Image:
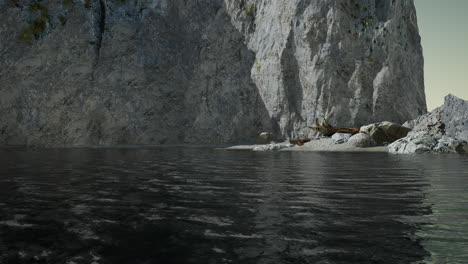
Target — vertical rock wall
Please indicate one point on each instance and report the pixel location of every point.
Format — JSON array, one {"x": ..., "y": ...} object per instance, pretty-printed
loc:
[
  {"x": 351, "y": 61},
  {"x": 208, "y": 71}
]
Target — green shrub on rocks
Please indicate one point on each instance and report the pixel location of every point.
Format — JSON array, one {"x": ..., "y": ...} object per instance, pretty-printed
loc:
[
  {"x": 38, "y": 7},
  {"x": 250, "y": 10},
  {"x": 36, "y": 26}
]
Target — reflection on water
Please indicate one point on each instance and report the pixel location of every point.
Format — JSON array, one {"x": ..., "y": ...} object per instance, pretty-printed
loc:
[{"x": 174, "y": 205}]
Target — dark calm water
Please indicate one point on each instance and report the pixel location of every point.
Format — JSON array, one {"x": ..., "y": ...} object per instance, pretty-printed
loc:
[{"x": 174, "y": 205}]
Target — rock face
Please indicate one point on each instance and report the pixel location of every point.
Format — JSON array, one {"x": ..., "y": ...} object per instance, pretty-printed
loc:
[
  {"x": 353, "y": 63},
  {"x": 207, "y": 71},
  {"x": 455, "y": 117},
  {"x": 430, "y": 122}
]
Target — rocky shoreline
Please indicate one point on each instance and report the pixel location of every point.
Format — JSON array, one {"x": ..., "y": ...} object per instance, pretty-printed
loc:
[{"x": 444, "y": 130}]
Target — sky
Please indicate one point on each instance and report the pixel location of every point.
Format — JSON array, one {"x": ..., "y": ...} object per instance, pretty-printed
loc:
[{"x": 443, "y": 26}]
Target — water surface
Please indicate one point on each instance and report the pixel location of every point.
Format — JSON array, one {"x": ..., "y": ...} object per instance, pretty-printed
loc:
[{"x": 176, "y": 205}]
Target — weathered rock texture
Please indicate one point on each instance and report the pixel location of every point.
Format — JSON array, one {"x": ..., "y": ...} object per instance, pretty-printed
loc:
[
  {"x": 361, "y": 140},
  {"x": 341, "y": 138},
  {"x": 450, "y": 119},
  {"x": 385, "y": 132},
  {"x": 426, "y": 142},
  {"x": 444, "y": 130},
  {"x": 175, "y": 71}
]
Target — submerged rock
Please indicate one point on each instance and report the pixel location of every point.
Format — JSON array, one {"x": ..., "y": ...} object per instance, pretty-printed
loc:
[
  {"x": 341, "y": 138},
  {"x": 385, "y": 132},
  {"x": 426, "y": 142}
]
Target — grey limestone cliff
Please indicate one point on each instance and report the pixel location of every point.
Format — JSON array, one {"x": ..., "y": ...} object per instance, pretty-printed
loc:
[{"x": 101, "y": 72}]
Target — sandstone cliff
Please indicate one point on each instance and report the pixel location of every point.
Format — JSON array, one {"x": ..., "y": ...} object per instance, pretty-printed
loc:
[{"x": 84, "y": 72}]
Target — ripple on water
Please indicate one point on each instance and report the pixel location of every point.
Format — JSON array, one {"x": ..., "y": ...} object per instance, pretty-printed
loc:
[{"x": 173, "y": 205}]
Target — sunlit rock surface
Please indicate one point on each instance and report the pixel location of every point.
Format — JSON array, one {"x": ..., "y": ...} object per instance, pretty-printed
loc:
[
  {"x": 425, "y": 142},
  {"x": 206, "y": 71},
  {"x": 324, "y": 58},
  {"x": 450, "y": 119}
]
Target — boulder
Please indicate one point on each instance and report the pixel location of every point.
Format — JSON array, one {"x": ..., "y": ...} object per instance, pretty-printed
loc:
[
  {"x": 385, "y": 132},
  {"x": 426, "y": 142},
  {"x": 361, "y": 140},
  {"x": 341, "y": 138}
]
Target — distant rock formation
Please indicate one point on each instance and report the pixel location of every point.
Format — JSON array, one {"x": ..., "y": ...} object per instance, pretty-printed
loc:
[{"x": 205, "y": 71}]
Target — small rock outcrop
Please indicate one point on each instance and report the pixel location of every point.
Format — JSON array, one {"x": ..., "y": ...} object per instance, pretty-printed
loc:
[
  {"x": 426, "y": 142},
  {"x": 444, "y": 130},
  {"x": 385, "y": 132},
  {"x": 450, "y": 119}
]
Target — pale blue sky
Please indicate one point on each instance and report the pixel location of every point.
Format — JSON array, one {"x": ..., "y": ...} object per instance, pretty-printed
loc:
[{"x": 443, "y": 25}]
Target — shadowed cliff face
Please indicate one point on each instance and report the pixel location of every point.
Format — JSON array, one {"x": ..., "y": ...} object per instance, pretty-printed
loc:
[
  {"x": 140, "y": 72},
  {"x": 154, "y": 72}
]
